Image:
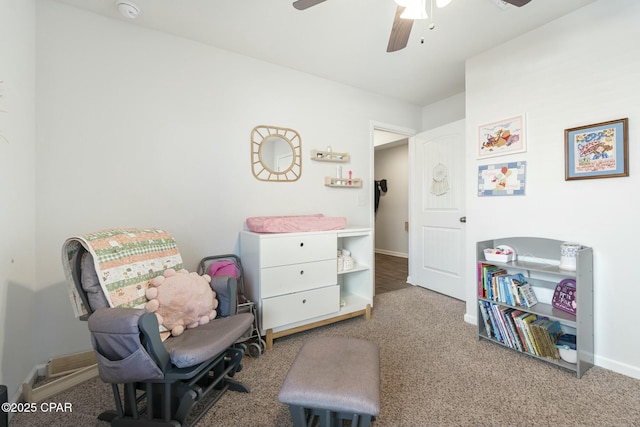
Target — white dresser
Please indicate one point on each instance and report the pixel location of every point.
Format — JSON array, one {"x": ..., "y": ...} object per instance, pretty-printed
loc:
[{"x": 294, "y": 280}]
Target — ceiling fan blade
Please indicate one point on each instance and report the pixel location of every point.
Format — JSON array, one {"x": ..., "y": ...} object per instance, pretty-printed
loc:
[
  {"x": 305, "y": 4},
  {"x": 518, "y": 3},
  {"x": 400, "y": 31}
]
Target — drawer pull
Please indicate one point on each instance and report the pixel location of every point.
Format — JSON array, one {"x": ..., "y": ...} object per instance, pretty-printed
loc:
[
  {"x": 304, "y": 301},
  {"x": 301, "y": 272},
  {"x": 301, "y": 244}
]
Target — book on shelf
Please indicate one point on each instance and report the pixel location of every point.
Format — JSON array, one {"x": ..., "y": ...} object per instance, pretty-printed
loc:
[
  {"x": 494, "y": 324},
  {"x": 535, "y": 332},
  {"x": 485, "y": 317},
  {"x": 528, "y": 296},
  {"x": 521, "y": 330},
  {"x": 552, "y": 331},
  {"x": 515, "y": 337},
  {"x": 508, "y": 288},
  {"x": 515, "y": 315},
  {"x": 496, "y": 284},
  {"x": 526, "y": 321},
  {"x": 495, "y": 309},
  {"x": 506, "y": 329},
  {"x": 517, "y": 280},
  {"x": 546, "y": 333},
  {"x": 487, "y": 274}
]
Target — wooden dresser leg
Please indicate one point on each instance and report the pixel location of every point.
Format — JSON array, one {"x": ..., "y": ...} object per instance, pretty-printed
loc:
[
  {"x": 367, "y": 314},
  {"x": 269, "y": 339}
]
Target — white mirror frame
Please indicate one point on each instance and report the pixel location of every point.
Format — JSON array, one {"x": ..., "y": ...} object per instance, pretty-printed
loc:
[{"x": 263, "y": 171}]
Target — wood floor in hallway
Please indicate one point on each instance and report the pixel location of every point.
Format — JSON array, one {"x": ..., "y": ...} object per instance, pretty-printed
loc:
[{"x": 391, "y": 273}]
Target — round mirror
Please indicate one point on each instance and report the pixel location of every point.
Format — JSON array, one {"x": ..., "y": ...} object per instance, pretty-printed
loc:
[{"x": 275, "y": 154}]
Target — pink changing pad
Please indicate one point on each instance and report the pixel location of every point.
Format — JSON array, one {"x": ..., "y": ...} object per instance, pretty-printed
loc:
[{"x": 295, "y": 223}]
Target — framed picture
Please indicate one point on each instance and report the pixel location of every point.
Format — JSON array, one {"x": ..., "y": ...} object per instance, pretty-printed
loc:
[
  {"x": 503, "y": 137},
  {"x": 600, "y": 150},
  {"x": 504, "y": 179}
]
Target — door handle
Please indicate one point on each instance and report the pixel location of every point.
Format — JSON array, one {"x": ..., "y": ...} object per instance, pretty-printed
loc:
[{"x": 463, "y": 219}]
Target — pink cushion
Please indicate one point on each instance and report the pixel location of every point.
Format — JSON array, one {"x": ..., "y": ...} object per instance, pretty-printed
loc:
[
  {"x": 295, "y": 223},
  {"x": 224, "y": 268}
]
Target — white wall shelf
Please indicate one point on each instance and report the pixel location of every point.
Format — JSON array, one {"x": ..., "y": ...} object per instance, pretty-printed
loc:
[
  {"x": 342, "y": 182},
  {"x": 329, "y": 156}
]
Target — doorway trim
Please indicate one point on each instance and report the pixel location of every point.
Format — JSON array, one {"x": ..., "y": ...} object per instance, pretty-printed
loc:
[{"x": 400, "y": 130}]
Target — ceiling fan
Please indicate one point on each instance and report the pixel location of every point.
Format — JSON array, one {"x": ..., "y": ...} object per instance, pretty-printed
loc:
[{"x": 401, "y": 28}]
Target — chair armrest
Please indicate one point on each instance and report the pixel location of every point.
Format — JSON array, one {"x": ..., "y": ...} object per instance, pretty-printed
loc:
[
  {"x": 128, "y": 345},
  {"x": 152, "y": 342},
  {"x": 226, "y": 289}
]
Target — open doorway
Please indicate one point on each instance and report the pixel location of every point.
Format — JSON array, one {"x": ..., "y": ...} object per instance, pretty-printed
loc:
[{"x": 391, "y": 204}]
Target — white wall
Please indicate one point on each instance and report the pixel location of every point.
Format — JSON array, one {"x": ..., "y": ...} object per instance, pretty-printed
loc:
[
  {"x": 581, "y": 69},
  {"x": 141, "y": 128},
  {"x": 17, "y": 191},
  {"x": 443, "y": 112},
  {"x": 391, "y": 163}
]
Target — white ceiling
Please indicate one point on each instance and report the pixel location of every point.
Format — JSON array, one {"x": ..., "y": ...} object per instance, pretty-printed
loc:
[{"x": 346, "y": 40}]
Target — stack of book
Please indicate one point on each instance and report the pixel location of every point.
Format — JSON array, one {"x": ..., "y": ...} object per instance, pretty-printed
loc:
[
  {"x": 521, "y": 330},
  {"x": 495, "y": 284}
]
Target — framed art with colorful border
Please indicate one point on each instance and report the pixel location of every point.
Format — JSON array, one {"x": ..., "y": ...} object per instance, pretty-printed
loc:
[
  {"x": 599, "y": 150},
  {"x": 504, "y": 179},
  {"x": 502, "y": 137}
]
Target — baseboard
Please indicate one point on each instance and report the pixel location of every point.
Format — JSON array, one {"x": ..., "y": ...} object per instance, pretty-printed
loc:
[
  {"x": 70, "y": 363},
  {"x": 32, "y": 376},
  {"x": 68, "y": 371},
  {"x": 392, "y": 253},
  {"x": 62, "y": 383},
  {"x": 471, "y": 319},
  {"x": 72, "y": 370},
  {"x": 621, "y": 368}
]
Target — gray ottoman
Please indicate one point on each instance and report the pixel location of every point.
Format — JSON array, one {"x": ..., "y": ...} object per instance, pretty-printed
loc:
[{"x": 334, "y": 378}]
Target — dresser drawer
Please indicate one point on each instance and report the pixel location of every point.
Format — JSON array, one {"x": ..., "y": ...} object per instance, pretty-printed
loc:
[
  {"x": 296, "y": 249},
  {"x": 286, "y": 279},
  {"x": 291, "y": 308}
]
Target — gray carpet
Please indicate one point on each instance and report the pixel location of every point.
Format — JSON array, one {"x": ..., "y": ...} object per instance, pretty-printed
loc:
[{"x": 434, "y": 372}]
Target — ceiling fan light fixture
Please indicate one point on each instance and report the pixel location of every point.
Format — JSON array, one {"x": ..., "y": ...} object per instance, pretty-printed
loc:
[{"x": 415, "y": 10}]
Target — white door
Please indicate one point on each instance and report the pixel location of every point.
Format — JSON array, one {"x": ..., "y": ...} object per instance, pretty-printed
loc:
[{"x": 436, "y": 227}]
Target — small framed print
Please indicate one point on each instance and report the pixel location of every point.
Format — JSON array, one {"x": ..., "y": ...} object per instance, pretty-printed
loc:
[
  {"x": 599, "y": 150},
  {"x": 502, "y": 137},
  {"x": 504, "y": 179}
]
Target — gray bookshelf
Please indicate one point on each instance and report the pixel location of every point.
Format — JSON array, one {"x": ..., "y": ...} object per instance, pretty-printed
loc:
[{"x": 538, "y": 260}]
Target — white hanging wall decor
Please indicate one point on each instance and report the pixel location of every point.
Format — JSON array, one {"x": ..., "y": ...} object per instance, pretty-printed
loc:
[{"x": 440, "y": 181}]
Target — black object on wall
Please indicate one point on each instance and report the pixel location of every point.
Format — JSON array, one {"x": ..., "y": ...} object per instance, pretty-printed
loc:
[{"x": 379, "y": 187}]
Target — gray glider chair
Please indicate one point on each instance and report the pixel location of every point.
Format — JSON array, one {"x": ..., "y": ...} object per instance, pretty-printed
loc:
[{"x": 154, "y": 382}]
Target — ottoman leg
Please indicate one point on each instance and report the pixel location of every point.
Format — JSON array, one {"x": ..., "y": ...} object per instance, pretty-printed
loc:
[
  {"x": 362, "y": 421},
  {"x": 326, "y": 418},
  {"x": 298, "y": 416}
]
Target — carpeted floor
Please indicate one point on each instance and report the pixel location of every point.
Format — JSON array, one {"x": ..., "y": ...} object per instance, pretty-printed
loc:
[{"x": 434, "y": 372}]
